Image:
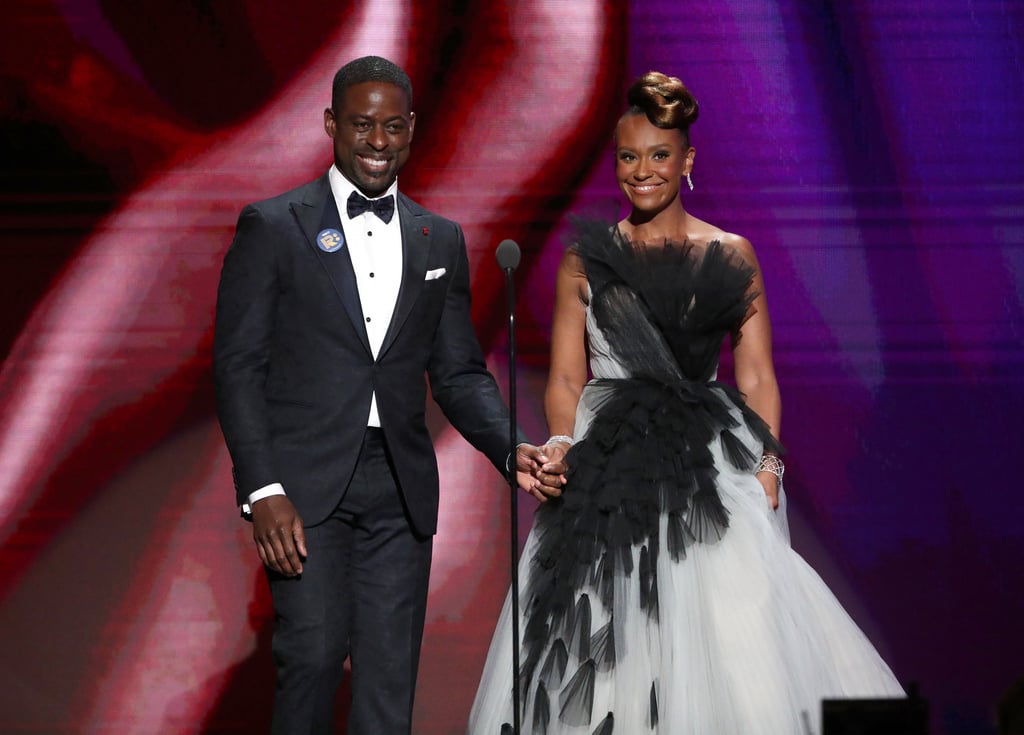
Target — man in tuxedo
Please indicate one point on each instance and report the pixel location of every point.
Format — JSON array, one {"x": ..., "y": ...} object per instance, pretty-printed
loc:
[{"x": 336, "y": 300}]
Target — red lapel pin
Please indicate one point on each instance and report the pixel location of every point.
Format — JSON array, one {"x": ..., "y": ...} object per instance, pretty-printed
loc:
[{"x": 426, "y": 231}]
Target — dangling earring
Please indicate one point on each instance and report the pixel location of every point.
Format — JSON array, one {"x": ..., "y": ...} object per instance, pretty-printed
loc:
[{"x": 689, "y": 181}]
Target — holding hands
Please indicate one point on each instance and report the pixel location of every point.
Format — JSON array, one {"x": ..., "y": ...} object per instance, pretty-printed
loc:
[{"x": 541, "y": 470}]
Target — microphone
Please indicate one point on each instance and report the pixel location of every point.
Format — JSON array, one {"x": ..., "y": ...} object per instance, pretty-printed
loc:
[
  {"x": 508, "y": 258},
  {"x": 508, "y": 255}
]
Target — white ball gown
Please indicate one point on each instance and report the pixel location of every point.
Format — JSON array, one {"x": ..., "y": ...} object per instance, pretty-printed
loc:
[{"x": 660, "y": 594}]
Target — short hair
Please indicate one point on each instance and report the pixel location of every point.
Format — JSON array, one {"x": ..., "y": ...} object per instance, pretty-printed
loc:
[
  {"x": 369, "y": 69},
  {"x": 665, "y": 101}
]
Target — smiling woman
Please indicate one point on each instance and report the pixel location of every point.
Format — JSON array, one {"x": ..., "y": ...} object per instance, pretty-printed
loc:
[{"x": 652, "y": 143}]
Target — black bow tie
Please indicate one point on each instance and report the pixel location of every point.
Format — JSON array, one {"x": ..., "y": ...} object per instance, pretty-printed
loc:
[{"x": 358, "y": 204}]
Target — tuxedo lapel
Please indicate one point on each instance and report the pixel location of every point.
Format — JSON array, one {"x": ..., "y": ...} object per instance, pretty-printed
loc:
[
  {"x": 319, "y": 212},
  {"x": 415, "y": 249}
]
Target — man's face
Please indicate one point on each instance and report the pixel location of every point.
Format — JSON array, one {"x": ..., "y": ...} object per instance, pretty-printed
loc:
[{"x": 372, "y": 130}]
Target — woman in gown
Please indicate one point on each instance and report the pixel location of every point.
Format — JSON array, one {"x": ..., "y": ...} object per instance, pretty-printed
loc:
[{"x": 659, "y": 592}]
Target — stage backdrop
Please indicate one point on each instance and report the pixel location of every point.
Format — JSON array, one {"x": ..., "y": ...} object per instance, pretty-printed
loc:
[{"x": 872, "y": 155}]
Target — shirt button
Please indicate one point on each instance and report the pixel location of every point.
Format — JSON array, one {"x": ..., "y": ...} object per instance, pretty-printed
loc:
[
  {"x": 369, "y": 234},
  {"x": 367, "y": 320},
  {"x": 371, "y": 275}
]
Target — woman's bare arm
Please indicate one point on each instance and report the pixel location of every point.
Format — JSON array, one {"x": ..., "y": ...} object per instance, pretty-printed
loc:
[{"x": 752, "y": 354}]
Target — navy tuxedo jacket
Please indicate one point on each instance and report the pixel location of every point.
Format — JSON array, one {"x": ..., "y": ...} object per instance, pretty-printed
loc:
[{"x": 293, "y": 368}]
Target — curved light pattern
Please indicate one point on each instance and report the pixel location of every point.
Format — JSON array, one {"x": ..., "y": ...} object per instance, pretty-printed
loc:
[
  {"x": 964, "y": 92},
  {"x": 514, "y": 124},
  {"x": 85, "y": 20},
  {"x": 778, "y": 78},
  {"x": 132, "y": 302},
  {"x": 804, "y": 208}
]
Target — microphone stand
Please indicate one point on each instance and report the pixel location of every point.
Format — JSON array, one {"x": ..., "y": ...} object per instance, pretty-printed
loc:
[{"x": 508, "y": 258}]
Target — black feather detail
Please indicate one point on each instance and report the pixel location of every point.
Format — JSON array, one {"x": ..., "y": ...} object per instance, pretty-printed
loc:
[
  {"x": 554, "y": 665},
  {"x": 606, "y": 726},
  {"x": 708, "y": 518},
  {"x": 579, "y": 640},
  {"x": 541, "y": 710},
  {"x": 679, "y": 536},
  {"x": 654, "y": 706},
  {"x": 603, "y": 580},
  {"x": 577, "y": 699},
  {"x": 646, "y": 578},
  {"x": 602, "y": 647},
  {"x": 736, "y": 452}
]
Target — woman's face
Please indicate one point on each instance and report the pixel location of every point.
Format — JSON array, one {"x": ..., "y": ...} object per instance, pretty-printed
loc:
[{"x": 650, "y": 163}]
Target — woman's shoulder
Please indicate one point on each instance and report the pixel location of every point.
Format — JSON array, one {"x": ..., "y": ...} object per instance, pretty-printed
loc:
[
  {"x": 730, "y": 242},
  {"x": 739, "y": 245}
]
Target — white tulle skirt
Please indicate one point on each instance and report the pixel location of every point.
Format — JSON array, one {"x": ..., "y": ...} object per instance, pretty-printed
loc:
[{"x": 748, "y": 640}]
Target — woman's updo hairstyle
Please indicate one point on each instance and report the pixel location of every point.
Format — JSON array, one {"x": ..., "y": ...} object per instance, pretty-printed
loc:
[{"x": 665, "y": 101}]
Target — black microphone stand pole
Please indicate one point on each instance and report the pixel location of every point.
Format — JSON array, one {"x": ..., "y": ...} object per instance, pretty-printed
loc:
[{"x": 508, "y": 258}]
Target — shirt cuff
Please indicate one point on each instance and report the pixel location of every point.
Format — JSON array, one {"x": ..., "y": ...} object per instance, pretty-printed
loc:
[
  {"x": 266, "y": 491},
  {"x": 508, "y": 459}
]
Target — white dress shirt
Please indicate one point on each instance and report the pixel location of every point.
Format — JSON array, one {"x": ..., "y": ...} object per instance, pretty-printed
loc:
[{"x": 375, "y": 249}]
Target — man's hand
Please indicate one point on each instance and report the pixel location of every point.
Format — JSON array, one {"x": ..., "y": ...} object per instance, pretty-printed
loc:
[
  {"x": 540, "y": 470},
  {"x": 277, "y": 530}
]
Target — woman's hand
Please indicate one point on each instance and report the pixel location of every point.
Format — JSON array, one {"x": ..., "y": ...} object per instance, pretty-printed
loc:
[
  {"x": 770, "y": 483},
  {"x": 540, "y": 470},
  {"x": 552, "y": 473}
]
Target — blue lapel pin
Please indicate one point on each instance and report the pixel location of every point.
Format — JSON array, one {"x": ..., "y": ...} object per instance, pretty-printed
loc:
[{"x": 330, "y": 240}]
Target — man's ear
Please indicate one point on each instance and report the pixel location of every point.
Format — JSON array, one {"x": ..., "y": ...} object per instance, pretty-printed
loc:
[{"x": 330, "y": 123}]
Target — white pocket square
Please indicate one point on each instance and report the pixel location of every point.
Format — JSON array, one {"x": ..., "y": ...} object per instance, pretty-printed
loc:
[{"x": 436, "y": 273}]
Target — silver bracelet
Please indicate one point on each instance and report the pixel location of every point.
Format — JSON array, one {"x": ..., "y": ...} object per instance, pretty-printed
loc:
[
  {"x": 562, "y": 438},
  {"x": 772, "y": 463}
]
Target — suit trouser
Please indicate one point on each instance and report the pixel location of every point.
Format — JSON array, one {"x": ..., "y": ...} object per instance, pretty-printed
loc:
[{"x": 362, "y": 594}]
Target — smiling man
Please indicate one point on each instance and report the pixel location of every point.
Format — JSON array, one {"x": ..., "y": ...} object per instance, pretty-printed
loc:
[{"x": 336, "y": 300}]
